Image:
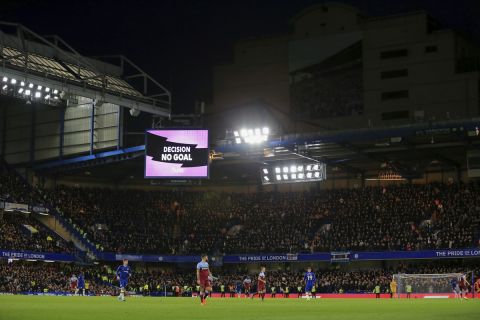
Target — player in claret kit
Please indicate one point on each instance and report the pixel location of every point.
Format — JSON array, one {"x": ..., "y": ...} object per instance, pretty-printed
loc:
[
  {"x": 463, "y": 284},
  {"x": 73, "y": 283},
  {"x": 123, "y": 274},
  {"x": 247, "y": 285},
  {"x": 203, "y": 279},
  {"x": 261, "y": 284},
  {"x": 309, "y": 279}
]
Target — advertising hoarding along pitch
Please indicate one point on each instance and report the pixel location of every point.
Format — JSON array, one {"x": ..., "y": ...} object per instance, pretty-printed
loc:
[{"x": 172, "y": 153}]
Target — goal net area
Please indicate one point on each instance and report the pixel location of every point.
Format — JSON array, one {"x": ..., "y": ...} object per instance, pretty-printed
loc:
[{"x": 428, "y": 283}]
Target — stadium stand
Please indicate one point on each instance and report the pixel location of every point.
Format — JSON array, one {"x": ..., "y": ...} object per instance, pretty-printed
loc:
[{"x": 408, "y": 217}]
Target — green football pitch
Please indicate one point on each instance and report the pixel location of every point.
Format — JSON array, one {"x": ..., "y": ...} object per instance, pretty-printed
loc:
[{"x": 106, "y": 308}]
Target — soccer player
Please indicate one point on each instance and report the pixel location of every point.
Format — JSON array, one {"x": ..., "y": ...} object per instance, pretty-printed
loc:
[
  {"x": 123, "y": 274},
  {"x": 80, "y": 284},
  {"x": 73, "y": 283},
  {"x": 463, "y": 287},
  {"x": 477, "y": 287},
  {"x": 203, "y": 278},
  {"x": 261, "y": 284},
  {"x": 231, "y": 289},
  {"x": 393, "y": 288},
  {"x": 310, "y": 280},
  {"x": 247, "y": 285},
  {"x": 455, "y": 287}
]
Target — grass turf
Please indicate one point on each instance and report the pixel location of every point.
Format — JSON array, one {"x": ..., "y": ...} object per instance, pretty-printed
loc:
[{"x": 106, "y": 308}]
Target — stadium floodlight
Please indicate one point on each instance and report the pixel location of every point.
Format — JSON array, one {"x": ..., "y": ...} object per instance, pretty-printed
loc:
[
  {"x": 22, "y": 83},
  {"x": 47, "y": 97},
  {"x": 5, "y": 79},
  {"x": 238, "y": 140},
  {"x": 293, "y": 172},
  {"x": 13, "y": 81},
  {"x": 55, "y": 91},
  {"x": 251, "y": 135},
  {"x": 38, "y": 94},
  {"x": 30, "y": 85},
  {"x": 39, "y": 88},
  {"x": 27, "y": 92},
  {"x": 20, "y": 90},
  {"x": 47, "y": 89},
  {"x": 4, "y": 87}
]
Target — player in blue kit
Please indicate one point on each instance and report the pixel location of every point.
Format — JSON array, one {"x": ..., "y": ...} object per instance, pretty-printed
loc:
[
  {"x": 80, "y": 284},
  {"x": 309, "y": 279},
  {"x": 123, "y": 274}
]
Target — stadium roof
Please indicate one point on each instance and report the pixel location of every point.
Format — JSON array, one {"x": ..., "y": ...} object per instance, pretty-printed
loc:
[{"x": 50, "y": 60}]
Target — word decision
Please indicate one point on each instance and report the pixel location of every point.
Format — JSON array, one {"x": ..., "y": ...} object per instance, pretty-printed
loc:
[{"x": 176, "y": 153}]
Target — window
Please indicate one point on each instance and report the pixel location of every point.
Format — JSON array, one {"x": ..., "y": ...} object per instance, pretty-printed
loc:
[
  {"x": 395, "y": 115},
  {"x": 430, "y": 49},
  {"x": 391, "y": 95},
  {"x": 394, "y": 74},
  {"x": 393, "y": 54}
]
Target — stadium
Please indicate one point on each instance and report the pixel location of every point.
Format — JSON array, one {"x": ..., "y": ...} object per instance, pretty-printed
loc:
[{"x": 333, "y": 171}]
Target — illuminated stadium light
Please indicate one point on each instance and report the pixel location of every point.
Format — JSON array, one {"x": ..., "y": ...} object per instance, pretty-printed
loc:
[
  {"x": 251, "y": 135},
  {"x": 305, "y": 172},
  {"x": 28, "y": 90}
]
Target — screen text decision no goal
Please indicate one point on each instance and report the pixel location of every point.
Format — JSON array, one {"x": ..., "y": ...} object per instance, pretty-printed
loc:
[{"x": 179, "y": 153}]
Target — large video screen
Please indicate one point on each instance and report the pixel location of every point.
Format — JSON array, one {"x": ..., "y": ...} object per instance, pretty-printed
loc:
[{"x": 171, "y": 153}]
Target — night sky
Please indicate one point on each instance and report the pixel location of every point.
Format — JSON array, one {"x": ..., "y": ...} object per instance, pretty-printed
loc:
[{"x": 178, "y": 42}]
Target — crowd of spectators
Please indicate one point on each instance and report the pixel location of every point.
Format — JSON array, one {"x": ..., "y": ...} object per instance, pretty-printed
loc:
[
  {"x": 402, "y": 217},
  {"x": 18, "y": 277},
  {"x": 397, "y": 217},
  {"x": 19, "y": 230}
]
